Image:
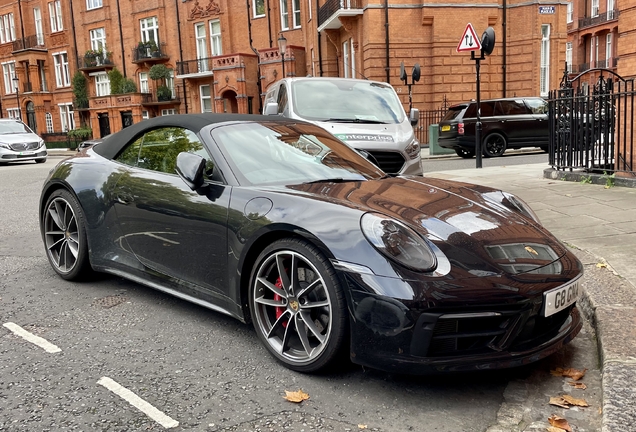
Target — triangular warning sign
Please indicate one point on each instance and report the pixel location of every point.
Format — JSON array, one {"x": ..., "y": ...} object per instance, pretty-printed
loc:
[{"x": 469, "y": 40}]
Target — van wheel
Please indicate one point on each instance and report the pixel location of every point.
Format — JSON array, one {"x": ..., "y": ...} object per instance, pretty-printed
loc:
[
  {"x": 463, "y": 153},
  {"x": 494, "y": 145}
]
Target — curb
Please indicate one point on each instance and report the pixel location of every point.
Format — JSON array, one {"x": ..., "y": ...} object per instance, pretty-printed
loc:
[{"x": 609, "y": 180}]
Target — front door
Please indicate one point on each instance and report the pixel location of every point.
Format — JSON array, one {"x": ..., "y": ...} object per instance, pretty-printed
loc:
[
  {"x": 126, "y": 119},
  {"x": 30, "y": 108},
  {"x": 104, "y": 124}
]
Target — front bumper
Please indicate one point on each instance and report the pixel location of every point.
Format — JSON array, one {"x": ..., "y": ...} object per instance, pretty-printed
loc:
[
  {"x": 421, "y": 336},
  {"x": 7, "y": 155}
]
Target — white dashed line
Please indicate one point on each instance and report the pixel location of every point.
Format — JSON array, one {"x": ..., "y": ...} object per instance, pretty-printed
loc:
[
  {"x": 143, "y": 406},
  {"x": 37, "y": 340}
]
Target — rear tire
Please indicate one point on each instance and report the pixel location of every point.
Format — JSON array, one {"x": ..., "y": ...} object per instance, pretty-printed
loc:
[
  {"x": 463, "y": 153},
  {"x": 64, "y": 236},
  {"x": 297, "y": 306},
  {"x": 494, "y": 145}
]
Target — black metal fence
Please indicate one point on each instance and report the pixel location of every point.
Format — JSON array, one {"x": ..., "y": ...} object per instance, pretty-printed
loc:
[
  {"x": 428, "y": 118},
  {"x": 591, "y": 128}
]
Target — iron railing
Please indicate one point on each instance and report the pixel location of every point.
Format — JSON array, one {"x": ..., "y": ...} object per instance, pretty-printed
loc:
[
  {"x": 202, "y": 65},
  {"x": 591, "y": 130},
  {"x": 95, "y": 61},
  {"x": 428, "y": 118},
  {"x": 332, "y": 6},
  {"x": 145, "y": 52},
  {"x": 33, "y": 41},
  {"x": 598, "y": 19}
]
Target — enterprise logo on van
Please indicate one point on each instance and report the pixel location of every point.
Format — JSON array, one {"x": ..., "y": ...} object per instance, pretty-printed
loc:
[{"x": 364, "y": 137}]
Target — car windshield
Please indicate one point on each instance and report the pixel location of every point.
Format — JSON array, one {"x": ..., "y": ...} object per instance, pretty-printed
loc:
[
  {"x": 346, "y": 101},
  {"x": 13, "y": 127},
  {"x": 288, "y": 153}
]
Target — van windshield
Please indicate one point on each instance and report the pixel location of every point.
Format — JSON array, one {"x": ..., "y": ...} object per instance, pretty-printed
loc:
[{"x": 346, "y": 101}]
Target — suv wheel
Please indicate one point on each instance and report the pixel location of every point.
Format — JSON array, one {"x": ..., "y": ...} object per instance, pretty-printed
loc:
[
  {"x": 466, "y": 154},
  {"x": 494, "y": 145}
]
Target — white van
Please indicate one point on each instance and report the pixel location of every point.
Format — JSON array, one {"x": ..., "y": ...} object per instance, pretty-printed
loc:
[{"x": 365, "y": 114}]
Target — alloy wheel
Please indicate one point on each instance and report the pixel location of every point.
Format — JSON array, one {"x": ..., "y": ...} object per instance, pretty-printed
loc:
[
  {"x": 293, "y": 308},
  {"x": 61, "y": 235}
]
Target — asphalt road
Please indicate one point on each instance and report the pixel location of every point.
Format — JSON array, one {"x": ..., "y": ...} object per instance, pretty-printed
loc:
[
  {"x": 511, "y": 157},
  {"x": 193, "y": 369}
]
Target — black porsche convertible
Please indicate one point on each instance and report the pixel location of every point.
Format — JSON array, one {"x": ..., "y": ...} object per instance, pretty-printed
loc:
[{"x": 278, "y": 223}]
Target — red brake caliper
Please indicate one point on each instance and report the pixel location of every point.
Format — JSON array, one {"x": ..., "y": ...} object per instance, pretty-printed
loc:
[{"x": 279, "y": 309}]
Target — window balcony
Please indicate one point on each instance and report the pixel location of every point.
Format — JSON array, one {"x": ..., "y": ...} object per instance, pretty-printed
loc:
[
  {"x": 162, "y": 95},
  {"x": 150, "y": 53},
  {"x": 599, "y": 19},
  {"x": 583, "y": 67},
  {"x": 195, "y": 68},
  {"x": 332, "y": 10},
  {"x": 95, "y": 62},
  {"x": 33, "y": 42},
  {"x": 607, "y": 64}
]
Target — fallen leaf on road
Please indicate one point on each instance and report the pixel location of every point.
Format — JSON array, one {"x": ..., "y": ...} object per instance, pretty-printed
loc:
[
  {"x": 559, "y": 401},
  {"x": 575, "y": 374},
  {"x": 555, "y": 429},
  {"x": 361, "y": 426},
  {"x": 559, "y": 422},
  {"x": 574, "y": 401},
  {"x": 601, "y": 265},
  {"x": 577, "y": 385},
  {"x": 296, "y": 397}
]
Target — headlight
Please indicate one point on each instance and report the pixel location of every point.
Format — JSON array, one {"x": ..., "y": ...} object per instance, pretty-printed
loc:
[
  {"x": 413, "y": 149},
  {"x": 398, "y": 242},
  {"x": 41, "y": 144},
  {"x": 4, "y": 145}
]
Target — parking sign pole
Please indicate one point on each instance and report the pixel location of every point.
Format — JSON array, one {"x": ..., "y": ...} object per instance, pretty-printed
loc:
[{"x": 478, "y": 102}]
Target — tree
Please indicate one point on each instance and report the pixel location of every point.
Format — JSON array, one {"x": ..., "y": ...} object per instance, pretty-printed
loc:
[{"x": 80, "y": 90}]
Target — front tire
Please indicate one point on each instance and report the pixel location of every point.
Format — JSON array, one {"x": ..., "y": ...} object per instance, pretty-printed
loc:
[
  {"x": 494, "y": 145},
  {"x": 64, "y": 235},
  {"x": 297, "y": 305}
]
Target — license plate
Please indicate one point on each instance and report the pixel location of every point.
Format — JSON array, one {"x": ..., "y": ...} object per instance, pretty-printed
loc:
[
  {"x": 445, "y": 128},
  {"x": 26, "y": 153},
  {"x": 560, "y": 298}
]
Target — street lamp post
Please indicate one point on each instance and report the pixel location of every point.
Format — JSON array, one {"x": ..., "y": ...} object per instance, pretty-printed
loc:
[
  {"x": 17, "y": 96},
  {"x": 282, "y": 47}
]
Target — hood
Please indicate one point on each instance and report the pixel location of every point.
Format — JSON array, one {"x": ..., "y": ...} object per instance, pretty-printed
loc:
[
  {"x": 19, "y": 138},
  {"x": 465, "y": 221},
  {"x": 371, "y": 136}
]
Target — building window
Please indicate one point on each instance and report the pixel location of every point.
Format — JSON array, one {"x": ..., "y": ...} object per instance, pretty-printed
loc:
[
  {"x": 41, "y": 72},
  {"x": 13, "y": 113},
  {"x": 62, "y": 77},
  {"x": 202, "y": 47},
  {"x": 102, "y": 84},
  {"x": 544, "y": 81},
  {"x": 215, "y": 38},
  {"x": 346, "y": 66},
  {"x": 143, "y": 82},
  {"x": 170, "y": 111},
  {"x": 296, "y": 13},
  {"x": 8, "y": 73},
  {"x": 594, "y": 12},
  {"x": 150, "y": 30},
  {"x": 93, "y": 4},
  {"x": 67, "y": 117},
  {"x": 608, "y": 49},
  {"x": 170, "y": 84},
  {"x": 610, "y": 9},
  {"x": 49, "y": 122},
  {"x": 353, "y": 59},
  {"x": 145, "y": 115},
  {"x": 7, "y": 28},
  {"x": 98, "y": 39},
  {"x": 570, "y": 11},
  {"x": 284, "y": 15},
  {"x": 55, "y": 15},
  {"x": 568, "y": 56},
  {"x": 206, "y": 98},
  {"x": 39, "y": 29},
  {"x": 259, "y": 8}
]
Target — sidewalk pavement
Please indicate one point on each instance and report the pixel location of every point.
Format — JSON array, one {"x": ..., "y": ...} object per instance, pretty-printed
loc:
[{"x": 599, "y": 224}]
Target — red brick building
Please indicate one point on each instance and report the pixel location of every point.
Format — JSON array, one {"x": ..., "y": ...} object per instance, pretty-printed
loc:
[{"x": 179, "y": 56}]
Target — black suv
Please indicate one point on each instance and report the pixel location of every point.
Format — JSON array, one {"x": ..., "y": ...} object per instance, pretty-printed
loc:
[{"x": 506, "y": 123}]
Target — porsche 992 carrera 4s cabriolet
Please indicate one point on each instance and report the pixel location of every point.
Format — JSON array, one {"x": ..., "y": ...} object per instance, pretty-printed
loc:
[{"x": 279, "y": 224}]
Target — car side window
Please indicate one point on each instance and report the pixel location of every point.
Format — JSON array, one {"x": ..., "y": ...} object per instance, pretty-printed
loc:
[
  {"x": 487, "y": 109},
  {"x": 157, "y": 150},
  {"x": 537, "y": 106},
  {"x": 282, "y": 99},
  {"x": 511, "y": 107}
]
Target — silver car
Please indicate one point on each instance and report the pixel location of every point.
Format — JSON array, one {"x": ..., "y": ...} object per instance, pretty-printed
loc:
[{"x": 19, "y": 143}]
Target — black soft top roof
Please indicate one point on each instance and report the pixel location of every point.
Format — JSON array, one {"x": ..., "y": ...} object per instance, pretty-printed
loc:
[{"x": 195, "y": 122}]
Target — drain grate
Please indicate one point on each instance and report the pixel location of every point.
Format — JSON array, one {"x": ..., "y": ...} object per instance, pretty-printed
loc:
[{"x": 109, "y": 301}]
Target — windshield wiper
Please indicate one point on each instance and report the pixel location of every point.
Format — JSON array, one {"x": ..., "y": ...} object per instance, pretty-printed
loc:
[
  {"x": 331, "y": 180},
  {"x": 354, "y": 120}
]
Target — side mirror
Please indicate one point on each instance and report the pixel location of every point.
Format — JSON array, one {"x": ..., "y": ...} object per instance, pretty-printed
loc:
[
  {"x": 190, "y": 168},
  {"x": 414, "y": 116},
  {"x": 271, "y": 108}
]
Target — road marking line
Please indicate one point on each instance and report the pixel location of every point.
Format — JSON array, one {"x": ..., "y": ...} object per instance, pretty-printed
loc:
[
  {"x": 143, "y": 406},
  {"x": 37, "y": 340}
]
